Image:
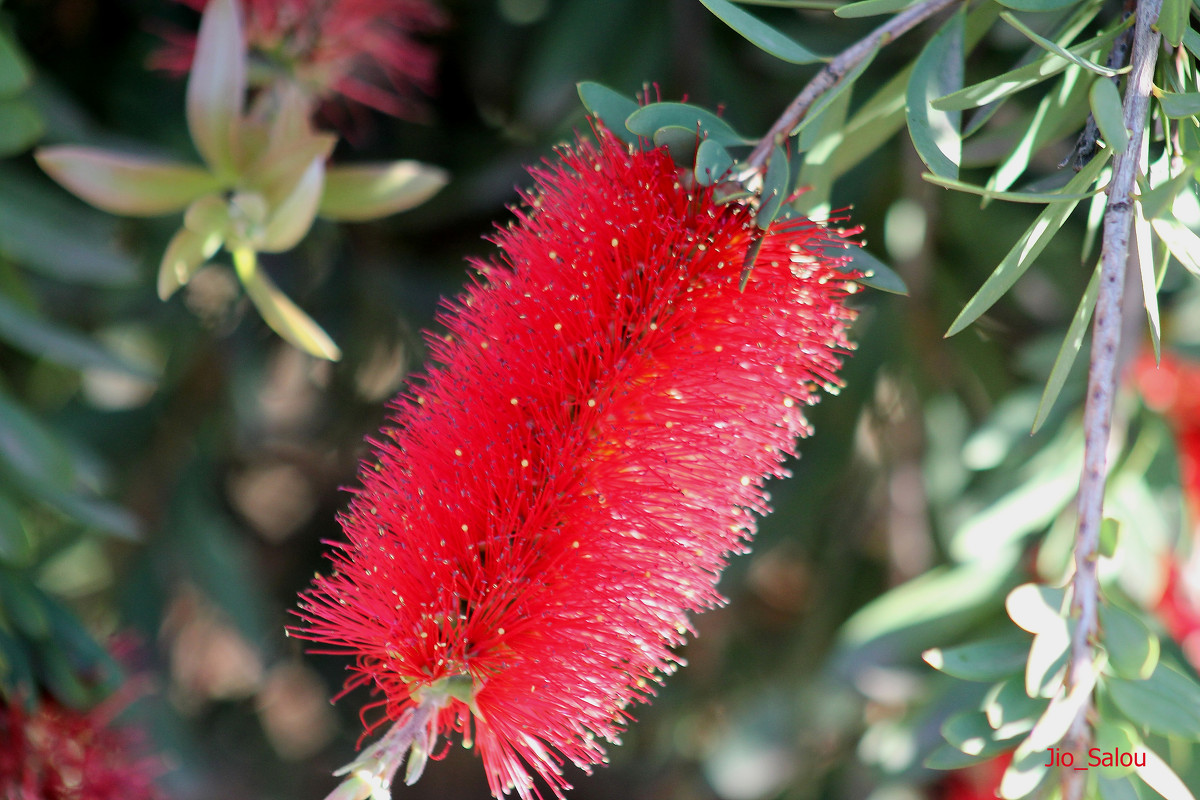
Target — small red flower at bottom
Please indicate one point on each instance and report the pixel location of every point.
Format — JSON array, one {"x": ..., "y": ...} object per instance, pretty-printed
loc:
[
  {"x": 55, "y": 753},
  {"x": 567, "y": 483}
]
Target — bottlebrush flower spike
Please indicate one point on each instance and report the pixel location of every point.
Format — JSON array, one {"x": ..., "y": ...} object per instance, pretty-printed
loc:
[
  {"x": 55, "y": 753},
  {"x": 567, "y": 483}
]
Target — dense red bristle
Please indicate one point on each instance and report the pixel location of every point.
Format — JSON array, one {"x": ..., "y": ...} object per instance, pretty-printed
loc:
[{"x": 568, "y": 482}]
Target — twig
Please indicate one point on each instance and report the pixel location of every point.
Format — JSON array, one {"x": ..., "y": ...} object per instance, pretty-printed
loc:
[
  {"x": 1102, "y": 379},
  {"x": 836, "y": 69},
  {"x": 1085, "y": 146}
]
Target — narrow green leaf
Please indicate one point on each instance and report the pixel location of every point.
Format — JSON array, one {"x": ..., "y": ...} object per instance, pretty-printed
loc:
[
  {"x": 1091, "y": 230},
  {"x": 216, "y": 86},
  {"x": 989, "y": 660},
  {"x": 1012, "y": 197},
  {"x": 1057, "y": 49},
  {"x": 30, "y": 333},
  {"x": 875, "y": 273},
  {"x": 776, "y": 187},
  {"x": 1068, "y": 350},
  {"x": 1180, "y": 105},
  {"x": 1009, "y": 710},
  {"x": 15, "y": 73},
  {"x": 1180, "y": 240},
  {"x": 1028, "y": 247},
  {"x": 1111, "y": 735},
  {"x": 90, "y": 511},
  {"x": 1109, "y": 116},
  {"x": 1173, "y": 20},
  {"x": 17, "y": 682},
  {"x": 29, "y": 451},
  {"x": 1116, "y": 788},
  {"x": 969, "y": 732},
  {"x": 760, "y": 34},
  {"x": 938, "y": 72},
  {"x": 1133, "y": 649},
  {"x": 1168, "y": 702},
  {"x": 1158, "y": 201},
  {"x": 284, "y": 317},
  {"x": 22, "y": 605},
  {"x": 16, "y": 546},
  {"x": 648, "y": 119},
  {"x": 127, "y": 185},
  {"x": 610, "y": 107},
  {"x": 819, "y": 145},
  {"x": 1036, "y": 5},
  {"x": 20, "y": 126},
  {"x": 871, "y": 8},
  {"x": 817, "y": 5},
  {"x": 713, "y": 162},
  {"x": 1021, "y": 78},
  {"x": 1191, "y": 40},
  {"x": 842, "y": 86}
]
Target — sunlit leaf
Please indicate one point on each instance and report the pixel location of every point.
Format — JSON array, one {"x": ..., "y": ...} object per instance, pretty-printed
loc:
[
  {"x": 1028, "y": 247},
  {"x": 1111, "y": 735},
  {"x": 1052, "y": 726},
  {"x": 989, "y": 660},
  {"x": 126, "y": 184},
  {"x": 187, "y": 251},
  {"x": 819, "y": 145},
  {"x": 1159, "y": 776},
  {"x": 370, "y": 191},
  {"x": 969, "y": 732},
  {"x": 842, "y": 86},
  {"x": 776, "y": 186},
  {"x": 1143, "y": 243},
  {"x": 938, "y": 71},
  {"x": 1180, "y": 240},
  {"x": 1110, "y": 534},
  {"x": 1023, "y": 776},
  {"x": 760, "y": 34},
  {"x": 1016, "y": 80},
  {"x": 1010, "y": 710},
  {"x": 1180, "y": 105},
  {"x": 216, "y": 86}
]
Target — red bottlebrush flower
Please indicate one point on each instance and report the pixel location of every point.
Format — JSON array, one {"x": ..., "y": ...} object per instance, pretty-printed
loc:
[
  {"x": 363, "y": 50},
  {"x": 567, "y": 483},
  {"x": 978, "y": 782},
  {"x": 55, "y": 753}
]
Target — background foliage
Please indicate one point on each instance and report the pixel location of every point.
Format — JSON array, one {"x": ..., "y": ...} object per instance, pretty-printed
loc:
[{"x": 171, "y": 469}]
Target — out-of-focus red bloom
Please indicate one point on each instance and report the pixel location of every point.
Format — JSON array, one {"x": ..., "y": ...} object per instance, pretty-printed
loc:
[
  {"x": 568, "y": 482},
  {"x": 363, "y": 50},
  {"x": 978, "y": 782},
  {"x": 55, "y": 753},
  {"x": 1173, "y": 389}
]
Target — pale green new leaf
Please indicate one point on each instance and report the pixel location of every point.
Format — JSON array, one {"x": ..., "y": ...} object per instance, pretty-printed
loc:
[
  {"x": 128, "y": 185},
  {"x": 216, "y": 86},
  {"x": 1028, "y": 247},
  {"x": 289, "y": 223},
  {"x": 284, "y": 317},
  {"x": 1143, "y": 247},
  {"x": 938, "y": 72},
  {"x": 760, "y": 34},
  {"x": 1159, "y": 776},
  {"x": 369, "y": 191},
  {"x": 187, "y": 252}
]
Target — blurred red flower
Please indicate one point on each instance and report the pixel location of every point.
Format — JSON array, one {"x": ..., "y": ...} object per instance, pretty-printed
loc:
[
  {"x": 366, "y": 51},
  {"x": 978, "y": 782},
  {"x": 568, "y": 482},
  {"x": 55, "y": 753}
]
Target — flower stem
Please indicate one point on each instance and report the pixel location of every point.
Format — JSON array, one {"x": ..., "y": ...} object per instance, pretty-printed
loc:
[
  {"x": 1102, "y": 379},
  {"x": 836, "y": 69}
]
